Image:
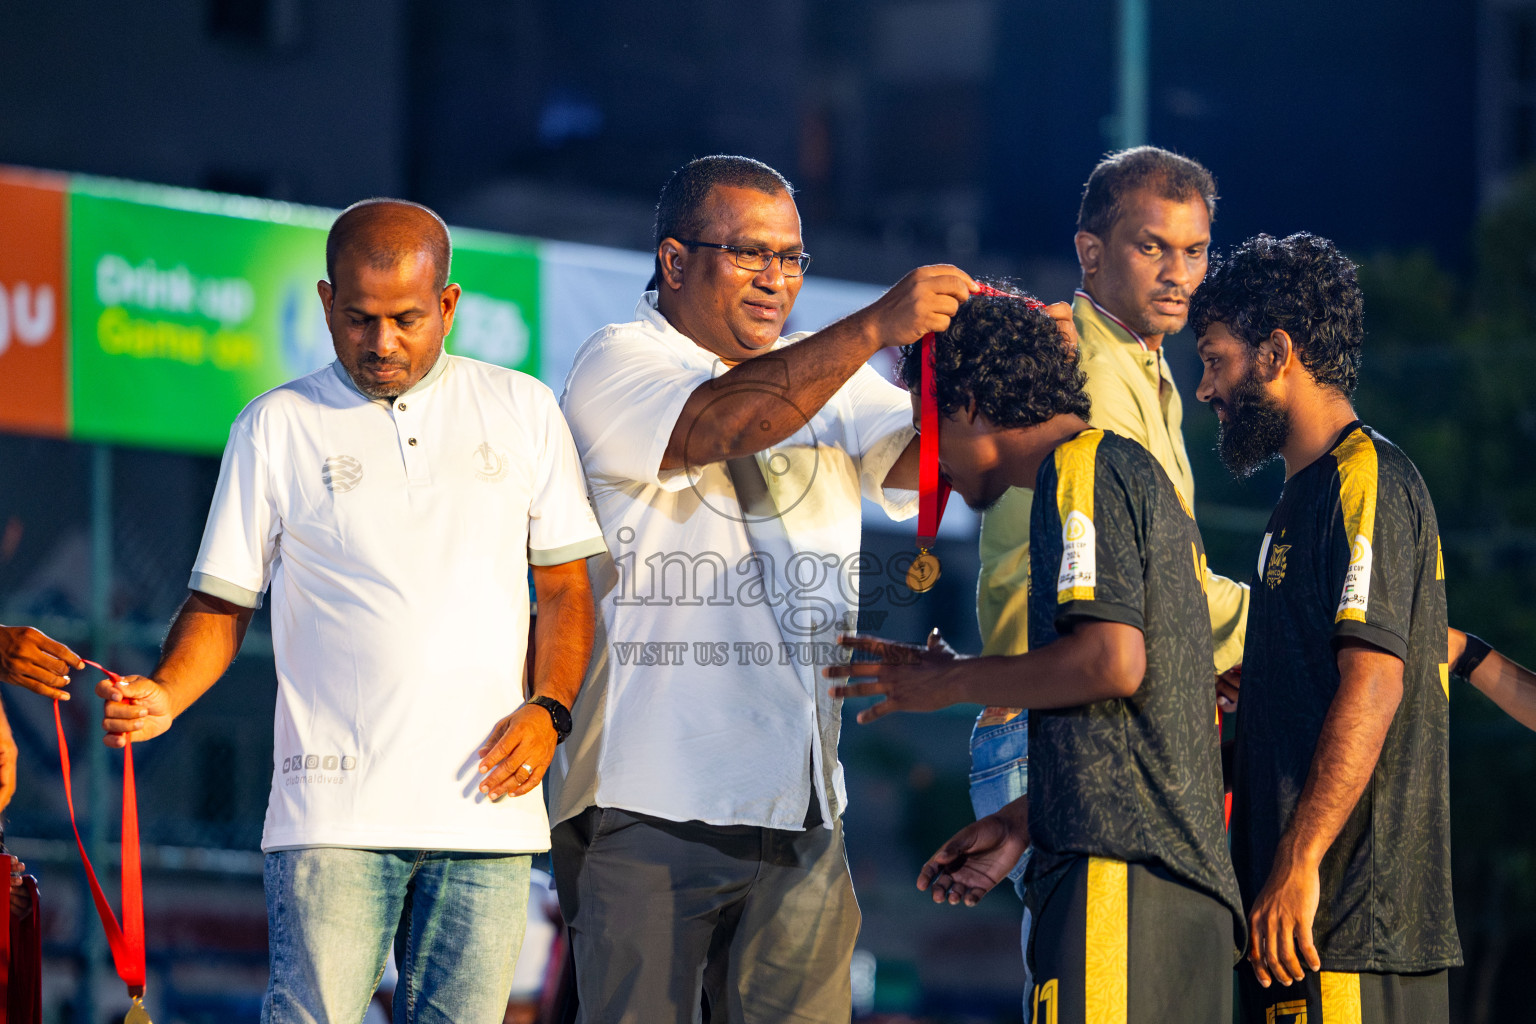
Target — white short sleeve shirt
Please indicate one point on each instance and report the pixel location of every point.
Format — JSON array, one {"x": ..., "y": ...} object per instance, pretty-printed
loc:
[
  {"x": 704, "y": 700},
  {"x": 395, "y": 537}
]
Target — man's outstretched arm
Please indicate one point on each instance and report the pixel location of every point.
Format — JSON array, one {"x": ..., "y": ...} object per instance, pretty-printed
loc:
[
  {"x": 204, "y": 638},
  {"x": 1098, "y": 660},
  {"x": 760, "y": 402},
  {"x": 1502, "y": 680},
  {"x": 31, "y": 659}
]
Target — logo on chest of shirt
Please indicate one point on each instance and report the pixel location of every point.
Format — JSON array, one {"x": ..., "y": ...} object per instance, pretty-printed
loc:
[
  {"x": 490, "y": 463},
  {"x": 341, "y": 473},
  {"x": 1274, "y": 572}
]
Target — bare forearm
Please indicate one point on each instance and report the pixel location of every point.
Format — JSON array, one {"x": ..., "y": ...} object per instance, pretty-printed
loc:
[
  {"x": 563, "y": 636},
  {"x": 1502, "y": 680},
  {"x": 1510, "y": 685},
  {"x": 1370, "y": 690},
  {"x": 748, "y": 408},
  {"x": 1097, "y": 661},
  {"x": 203, "y": 640}
]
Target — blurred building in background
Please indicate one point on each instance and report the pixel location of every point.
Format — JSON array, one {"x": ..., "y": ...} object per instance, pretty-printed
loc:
[{"x": 915, "y": 129}]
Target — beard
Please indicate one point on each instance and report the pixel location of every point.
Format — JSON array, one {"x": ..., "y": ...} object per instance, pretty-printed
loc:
[
  {"x": 390, "y": 391},
  {"x": 1255, "y": 430},
  {"x": 379, "y": 389}
]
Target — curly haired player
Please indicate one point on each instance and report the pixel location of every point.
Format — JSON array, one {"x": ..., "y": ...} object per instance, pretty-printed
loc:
[{"x": 1136, "y": 905}]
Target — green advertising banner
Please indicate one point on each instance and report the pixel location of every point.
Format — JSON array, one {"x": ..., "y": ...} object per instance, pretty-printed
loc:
[{"x": 186, "y": 305}]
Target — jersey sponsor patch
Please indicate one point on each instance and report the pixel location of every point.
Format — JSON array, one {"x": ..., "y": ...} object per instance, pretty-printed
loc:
[
  {"x": 1078, "y": 575},
  {"x": 1357, "y": 581},
  {"x": 1358, "y": 470}
]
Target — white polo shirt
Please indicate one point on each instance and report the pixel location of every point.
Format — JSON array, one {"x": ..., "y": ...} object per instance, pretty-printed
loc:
[
  {"x": 396, "y": 537},
  {"x": 704, "y": 700}
]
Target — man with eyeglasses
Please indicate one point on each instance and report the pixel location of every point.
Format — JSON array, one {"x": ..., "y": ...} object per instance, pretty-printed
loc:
[{"x": 698, "y": 852}]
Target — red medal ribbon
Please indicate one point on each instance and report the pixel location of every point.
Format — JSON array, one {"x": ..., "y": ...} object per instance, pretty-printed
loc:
[
  {"x": 932, "y": 488},
  {"x": 127, "y": 941}
]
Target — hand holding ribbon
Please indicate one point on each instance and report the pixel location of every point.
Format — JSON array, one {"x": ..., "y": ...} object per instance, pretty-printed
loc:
[{"x": 126, "y": 940}]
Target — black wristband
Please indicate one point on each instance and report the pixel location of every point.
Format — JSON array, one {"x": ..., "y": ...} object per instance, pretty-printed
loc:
[{"x": 1471, "y": 656}]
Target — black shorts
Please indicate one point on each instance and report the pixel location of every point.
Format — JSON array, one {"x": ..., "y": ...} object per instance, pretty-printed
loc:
[
  {"x": 1118, "y": 943},
  {"x": 1335, "y": 997}
]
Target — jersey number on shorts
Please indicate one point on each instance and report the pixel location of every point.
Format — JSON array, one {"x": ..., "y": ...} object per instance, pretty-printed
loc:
[{"x": 1045, "y": 1003}]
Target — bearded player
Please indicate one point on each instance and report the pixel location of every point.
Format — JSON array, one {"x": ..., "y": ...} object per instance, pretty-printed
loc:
[{"x": 1341, "y": 819}]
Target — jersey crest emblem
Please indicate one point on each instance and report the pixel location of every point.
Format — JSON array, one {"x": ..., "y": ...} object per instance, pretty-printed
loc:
[
  {"x": 1274, "y": 573},
  {"x": 490, "y": 463}
]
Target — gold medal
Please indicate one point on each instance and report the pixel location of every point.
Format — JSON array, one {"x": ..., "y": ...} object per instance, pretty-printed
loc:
[
  {"x": 923, "y": 573},
  {"x": 136, "y": 1013}
]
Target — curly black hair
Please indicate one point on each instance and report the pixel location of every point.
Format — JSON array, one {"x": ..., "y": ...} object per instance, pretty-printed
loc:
[
  {"x": 1301, "y": 285},
  {"x": 1008, "y": 358}
]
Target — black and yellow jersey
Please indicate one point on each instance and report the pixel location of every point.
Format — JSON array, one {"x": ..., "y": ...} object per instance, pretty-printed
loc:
[
  {"x": 1136, "y": 779},
  {"x": 1352, "y": 550}
]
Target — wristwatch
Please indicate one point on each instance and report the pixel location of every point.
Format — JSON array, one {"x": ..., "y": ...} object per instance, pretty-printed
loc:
[{"x": 559, "y": 714}]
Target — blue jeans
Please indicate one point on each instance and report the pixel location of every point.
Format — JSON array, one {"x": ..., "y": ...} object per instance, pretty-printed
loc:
[
  {"x": 1000, "y": 775},
  {"x": 456, "y": 921},
  {"x": 1000, "y": 772}
]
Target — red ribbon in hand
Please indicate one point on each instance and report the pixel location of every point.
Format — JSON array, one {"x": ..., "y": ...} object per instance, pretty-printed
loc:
[
  {"x": 127, "y": 940},
  {"x": 932, "y": 488}
]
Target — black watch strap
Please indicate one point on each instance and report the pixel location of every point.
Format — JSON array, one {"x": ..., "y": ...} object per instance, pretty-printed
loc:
[
  {"x": 1471, "y": 656},
  {"x": 559, "y": 714}
]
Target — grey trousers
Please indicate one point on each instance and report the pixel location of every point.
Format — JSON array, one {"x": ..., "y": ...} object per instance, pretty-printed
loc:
[{"x": 686, "y": 922}]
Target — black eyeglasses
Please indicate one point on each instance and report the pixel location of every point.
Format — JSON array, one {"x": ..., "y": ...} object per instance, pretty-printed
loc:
[{"x": 755, "y": 259}]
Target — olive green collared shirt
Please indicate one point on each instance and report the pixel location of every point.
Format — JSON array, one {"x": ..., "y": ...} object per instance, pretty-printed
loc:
[{"x": 1133, "y": 394}]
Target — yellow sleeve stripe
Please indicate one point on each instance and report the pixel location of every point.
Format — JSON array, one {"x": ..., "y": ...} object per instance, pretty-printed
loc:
[
  {"x": 1357, "y": 496},
  {"x": 1106, "y": 958},
  {"x": 1075, "y": 463}
]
